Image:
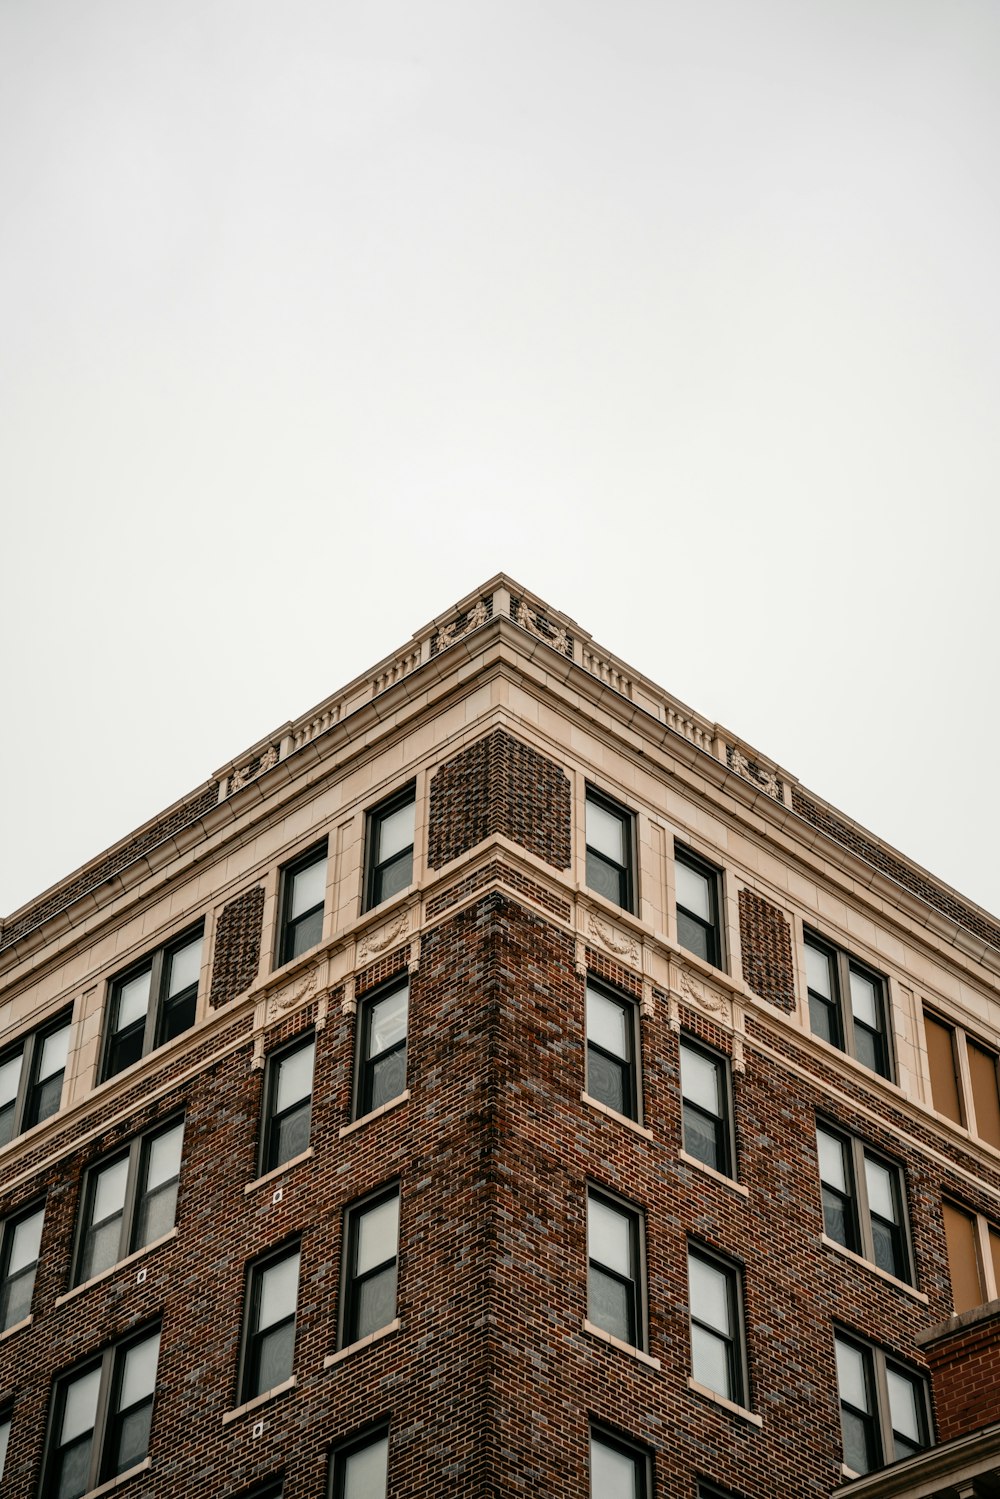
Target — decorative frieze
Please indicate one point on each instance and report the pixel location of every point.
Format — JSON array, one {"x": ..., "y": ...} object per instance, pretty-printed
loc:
[{"x": 752, "y": 771}]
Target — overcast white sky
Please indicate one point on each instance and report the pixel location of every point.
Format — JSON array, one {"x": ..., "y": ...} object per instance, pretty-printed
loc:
[{"x": 315, "y": 315}]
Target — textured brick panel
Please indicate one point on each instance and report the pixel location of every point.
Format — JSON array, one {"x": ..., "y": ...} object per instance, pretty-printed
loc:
[
  {"x": 607, "y": 968},
  {"x": 394, "y": 962},
  {"x": 881, "y": 858},
  {"x": 499, "y": 785},
  {"x": 498, "y": 870},
  {"x": 237, "y": 946},
  {"x": 766, "y": 941}
]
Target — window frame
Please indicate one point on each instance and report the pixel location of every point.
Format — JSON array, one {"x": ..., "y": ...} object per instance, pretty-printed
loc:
[
  {"x": 858, "y": 1154},
  {"x": 713, "y": 875},
  {"x": 350, "y": 1281},
  {"x": 342, "y": 1451},
  {"x": 984, "y": 1230},
  {"x": 639, "y": 1455},
  {"x": 315, "y": 854},
  {"x": 374, "y": 871},
  {"x": 157, "y": 962},
  {"x": 962, "y": 1043},
  {"x": 878, "y": 1361},
  {"x": 632, "y": 1065},
  {"x": 727, "y": 1119},
  {"x": 136, "y": 1152},
  {"x": 8, "y": 1228},
  {"x": 736, "y": 1344},
  {"x": 6, "y": 1419},
  {"x": 110, "y": 1361},
  {"x": 843, "y": 964},
  {"x": 364, "y": 1069},
  {"x": 626, "y": 872},
  {"x": 635, "y": 1283},
  {"x": 29, "y": 1047},
  {"x": 251, "y": 1335},
  {"x": 270, "y": 1133}
]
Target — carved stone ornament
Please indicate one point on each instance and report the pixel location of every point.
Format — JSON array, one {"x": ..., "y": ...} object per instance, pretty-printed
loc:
[
  {"x": 530, "y": 622},
  {"x": 244, "y": 775},
  {"x": 704, "y": 997},
  {"x": 458, "y": 629},
  {"x": 291, "y": 994},
  {"x": 620, "y": 943},
  {"x": 375, "y": 942},
  {"x": 749, "y": 770}
]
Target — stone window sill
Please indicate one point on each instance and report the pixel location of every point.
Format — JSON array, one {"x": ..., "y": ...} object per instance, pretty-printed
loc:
[
  {"x": 724, "y": 1404},
  {"x": 9, "y": 1332},
  {"x": 857, "y": 1259},
  {"x": 373, "y": 1337},
  {"x": 258, "y": 1400},
  {"x": 270, "y": 1176},
  {"x": 717, "y": 1176},
  {"x": 602, "y": 1108},
  {"x": 114, "y": 1483},
  {"x": 348, "y": 1129},
  {"x": 129, "y": 1259},
  {"x": 629, "y": 1348}
]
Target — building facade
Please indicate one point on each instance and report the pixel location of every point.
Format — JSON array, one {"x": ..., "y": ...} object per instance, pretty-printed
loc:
[{"x": 500, "y": 1081}]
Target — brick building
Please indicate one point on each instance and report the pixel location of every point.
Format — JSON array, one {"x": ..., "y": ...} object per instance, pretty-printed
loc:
[{"x": 500, "y": 1081}]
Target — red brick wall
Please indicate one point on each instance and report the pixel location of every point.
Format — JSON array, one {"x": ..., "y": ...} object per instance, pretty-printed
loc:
[
  {"x": 499, "y": 785},
  {"x": 966, "y": 1373}
]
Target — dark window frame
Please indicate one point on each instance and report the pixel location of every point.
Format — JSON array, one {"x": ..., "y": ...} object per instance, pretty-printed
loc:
[
  {"x": 713, "y": 876},
  {"x": 29, "y": 1046},
  {"x": 626, "y": 871},
  {"x": 963, "y": 1043},
  {"x": 631, "y": 1067},
  {"x": 636, "y": 1289},
  {"x": 738, "y": 1361},
  {"x": 365, "y": 1066},
  {"x": 350, "y": 1282},
  {"x": 287, "y": 926},
  {"x": 639, "y": 1455},
  {"x": 270, "y": 1131},
  {"x": 337, "y": 1471},
  {"x": 726, "y": 1134},
  {"x": 844, "y": 1023},
  {"x": 136, "y": 1151},
  {"x": 375, "y": 871},
  {"x": 8, "y": 1228},
  {"x": 6, "y": 1419},
  {"x": 158, "y": 963},
  {"x": 881, "y": 1432},
  {"x": 857, "y": 1206},
  {"x": 110, "y": 1360},
  {"x": 251, "y": 1335}
]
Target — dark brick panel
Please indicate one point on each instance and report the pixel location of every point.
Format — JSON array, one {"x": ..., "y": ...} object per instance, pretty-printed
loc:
[
  {"x": 766, "y": 944},
  {"x": 497, "y": 869},
  {"x": 966, "y": 1371},
  {"x": 237, "y": 946}
]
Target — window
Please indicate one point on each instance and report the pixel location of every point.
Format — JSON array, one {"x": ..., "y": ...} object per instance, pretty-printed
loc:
[
  {"x": 359, "y": 1470},
  {"x": 31, "y": 1077},
  {"x": 20, "y": 1239},
  {"x": 707, "y": 1105},
  {"x": 612, "y": 1049},
  {"x": 303, "y": 891},
  {"x": 617, "y": 1469},
  {"x": 287, "y": 1102},
  {"x": 863, "y": 1202},
  {"x": 609, "y": 850},
  {"x": 372, "y": 1238},
  {"x": 4, "y": 1439},
  {"x": 858, "y": 1027},
  {"x": 973, "y": 1257},
  {"x": 269, "y": 1322},
  {"x": 152, "y": 1002},
  {"x": 101, "y": 1417},
  {"x": 698, "y": 926},
  {"x": 381, "y": 1070},
  {"x": 883, "y": 1406},
  {"x": 129, "y": 1200},
  {"x": 963, "y": 1079},
  {"x": 614, "y": 1268},
  {"x": 718, "y": 1358},
  {"x": 389, "y": 857}
]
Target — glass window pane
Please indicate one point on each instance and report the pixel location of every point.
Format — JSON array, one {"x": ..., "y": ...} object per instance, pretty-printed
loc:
[
  {"x": 995, "y": 1258},
  {"x": 388, "y": 1021},
  {"x": 868, "y": 1046},
  {"x": 395, "y": 876},
  {"x": 607, "y": 1024},
  {"x": 293, "y": 1135},
  {"x": 881, "y": 1197},
  {"x": 156, "y": 1216},
  {"x": 185, "y": 966},
  {"x": 4, "y": 1439},
  {"x": 963, "y": 1260},
  {"x": 983, "y": 1068},
  {"x": 139, "y": 1371},
  {"x": 822, "y": 1021},
  {"x": 73, "y": 1477},
  {"x": 133, "y": 1000},
  {"x": 864, "y": 1001},
  {"x": 818, "y": 971},
  {"x": 832, "y": 1165},
  {"x": 395, "y": 832},
  {"x": 612, "y": 1473},
  {"x": 163, "y": 1159},
  {"x": 80, "y": 1408},
  {"x": 10, "y": 1077},
  {"x": 606, "y": 832},
  {"x": 606, "y": 1082},
  {"x": 693, "y": 891},
  {"x": 305, "y": 935},
  {"x": 710, "y": 1361},
  {"x": 388, "y": 1078},
  {"x": 709, "y": 1291},
  {"x": 279, "y": 1284},
  {"x": 700, "y": 1080},
  {"x": 131, "y": 1440},
  {"x": 609, "y": 1236},
  {"x": 25, "y": 1241},
  {"x": 109, "y": 1190},
  {"x": 377, "y": 1302},
  {"x": 693, "y": 937},
  {"x": 605, "y": 878},
  {"x": 55, "y": 1049},
  {"x": 308, "y": 888},
  {"x": 378, "y": 1232},
  {"x": 101, "y": 1249},
  {"x": 858, "y": 1443},
  {"x": 851, "y": 1376},
  {"x": 703, "y": 1138},
  {"x": 609, "y": 1304},
  {"x": 295, "y": 1077},
  {"x": 277, "y": 1354},
  {"x": 904, "y": 1406},
  {"x": 365, "y": 1471},
  {"x": 941, "y": 1057}
]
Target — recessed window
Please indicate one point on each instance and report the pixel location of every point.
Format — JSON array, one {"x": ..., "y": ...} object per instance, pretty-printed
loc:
[
  {"x": 269, "y": 1322},
  {"x": 288, "y": 1083},
  {"x": 359, "y": 1469},
  {"x": 31, "y": 1077},
  {"x": 4, "y": 1439},
  {"x": 707, "y": 1103},
  {"x": 863, "y": 1201},
  {"x": 618, "y": 1470},
  {"x": 372, "y": 1239},
  {"x": 973, "y": 1257},
  {"x": 698, "y": 925},
  {"x": 847, "y": 1004},
  {"x": 20, "y": 1240},
  {"x": 101, "y": 1418},
  {"x": 382, "y": 1020},
  {"x": 963, "y": 1078},
  {"x": 883, "y": 1406},
  {"x": 718, "y": 1356},
  {"x": 612, "y": 1050},
  {"x": 610, "y": 850},
  {"x": 389, "y": 853},
  {"x": 303, "y": 891},
  {"x": 129, "y": 1200},
  {"x": 152, "y": 1002},
  {"x": 614, "y": 1273}
]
